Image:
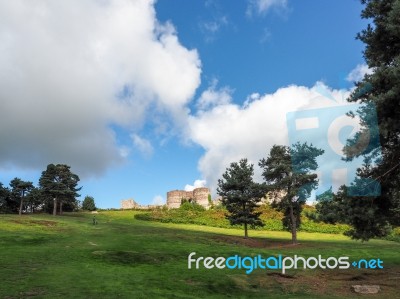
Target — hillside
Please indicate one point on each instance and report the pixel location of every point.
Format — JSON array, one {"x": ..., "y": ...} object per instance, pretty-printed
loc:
[{"x": 121, "y": 257}]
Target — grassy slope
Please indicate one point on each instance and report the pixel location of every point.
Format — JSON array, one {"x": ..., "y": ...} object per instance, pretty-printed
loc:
[{"x": 127, "y": 258}]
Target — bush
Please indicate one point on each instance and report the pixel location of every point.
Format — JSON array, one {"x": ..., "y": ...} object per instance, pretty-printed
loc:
[
  {"x": 191, "y": 213},
  {"x": 191, "y": 206},
  {"x": 394, "y": 235}
]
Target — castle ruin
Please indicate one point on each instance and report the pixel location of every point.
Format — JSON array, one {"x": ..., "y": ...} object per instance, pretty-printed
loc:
[
  {"x": 198, "y": 195},
  {"x": 128, "y": 204}
]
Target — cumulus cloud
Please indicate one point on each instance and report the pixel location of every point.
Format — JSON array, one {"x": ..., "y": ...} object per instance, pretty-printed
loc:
[
  {"x": 229, "y": 132},
  {"x": 158, "y": 200},
  {"x": 263, "y": 6},
  {"x": 213, "y": 96},
  {"x": 358, "y": 73},
  {"x": 196, "y": 184},
  {"x": 251, "y": 98},
  {"x": 70, "y": 69}
]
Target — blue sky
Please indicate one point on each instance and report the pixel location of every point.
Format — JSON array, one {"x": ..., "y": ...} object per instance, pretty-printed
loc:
[{"x": 143, "y": 97}]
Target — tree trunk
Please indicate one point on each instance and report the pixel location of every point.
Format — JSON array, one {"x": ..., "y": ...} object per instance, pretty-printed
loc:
[
  {"x": 245, "y": 225},
  {"x": 20, "y": 206},
  {"x": 22, "y": 203},
  {"x": 293, "y": 225},
  {"x": 61, "y": 204},
  {"x": 55, "y": 207}
]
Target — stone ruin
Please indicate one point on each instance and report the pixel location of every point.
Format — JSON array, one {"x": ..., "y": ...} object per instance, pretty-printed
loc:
[
  {"x": 198, "y": 195},
  {"x": 174, "y": 199},
  {"x": 129, "y": 204}
]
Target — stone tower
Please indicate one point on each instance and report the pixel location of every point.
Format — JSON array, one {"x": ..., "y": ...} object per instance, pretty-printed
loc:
[
  {"x": 174, "y": 198},
  {"x": 198, "y": 195}
]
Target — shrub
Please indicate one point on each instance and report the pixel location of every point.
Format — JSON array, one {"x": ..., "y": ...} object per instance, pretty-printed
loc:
[
  {"x": 192, "y": 213},
  {"x": 191, "y": 206},
  {"x": 394, "y": 235}
]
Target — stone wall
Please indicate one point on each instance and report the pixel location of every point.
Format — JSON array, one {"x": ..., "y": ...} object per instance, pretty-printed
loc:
[
  {"x": 198, "y": 195},
  {"x": 128, "y": 204}
]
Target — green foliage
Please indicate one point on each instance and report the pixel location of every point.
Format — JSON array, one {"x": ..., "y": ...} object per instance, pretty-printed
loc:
[
  {"x": 5, "y": 199},
  {"x": 191, "y": 206},
  {"x": 59, "y": 185},
  {"x": 34, "y": 200},
  {"x": 271, "y": 218},
  {"x": 88, "y": 203},
  {"x": 363, "y": 215},
  {"x": 328, "y": 208},
  {"x": 19, "y": 189},
  {"x": 360, "y": 213},
  {"x": 394, "y": 235},
  {"x": 188, "y": 214},
  {"x": 287, "y": 172},
  {"x": 240, "y": 195},
  {"x": 150, "y": 260},
  {"x": 308, "y": 225},
  {"x": 379, "y": 92}
]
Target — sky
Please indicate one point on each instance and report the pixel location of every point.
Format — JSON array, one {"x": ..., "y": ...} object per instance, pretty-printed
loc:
[{"x": 142, "y": 97}]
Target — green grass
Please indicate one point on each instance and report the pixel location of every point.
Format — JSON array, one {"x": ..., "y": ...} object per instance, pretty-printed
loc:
[{"x": 67, "y": 257}]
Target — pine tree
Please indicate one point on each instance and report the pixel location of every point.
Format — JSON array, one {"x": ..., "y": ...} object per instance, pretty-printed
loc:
[
  {"x": 240, "y": 195},
  {"x": 381, "y": 91},
  {"x": 19, "y": 189},
  {"x": 4, "y": 199},
  {"x": 59, "y": 185},
  {"x": 88, "y": 204},
  {"x": 287, "y": 172}
]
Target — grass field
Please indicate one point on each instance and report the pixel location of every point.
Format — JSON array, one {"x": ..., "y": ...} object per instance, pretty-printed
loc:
[{"x": 67, "y": 257}]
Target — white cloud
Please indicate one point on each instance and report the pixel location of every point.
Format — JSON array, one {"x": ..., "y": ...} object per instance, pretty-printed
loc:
[
  {"x": 263, "y": 6},
  {"x": 251, "y": 98},
  {"x": 358, "y": 73},
  {"x": 196, "y": 184},
  {"x": 212, "y": 27},
  {"x": 70, "y": 69},
  {"x": 143, "y": 145},
  {"x": 213, "y": 97},
  {"x": 158, "y": 200},
  {"x": 124, "y": 151},
  {"x": 229, "y": 132}
]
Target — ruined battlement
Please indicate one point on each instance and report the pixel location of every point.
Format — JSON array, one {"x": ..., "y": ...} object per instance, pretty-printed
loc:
[
  {"x": 128, "y": 204},
  {"x": 198, "y": 195}
]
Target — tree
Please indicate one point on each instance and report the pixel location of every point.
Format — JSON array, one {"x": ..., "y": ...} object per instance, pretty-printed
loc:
[
  {"x": 4, "y": 199},
  {"x": 344, "y": 209},
  {"x": 19, "y": 189},
  {"x": 34, "y": 199},
  {"x": 88, "y": 204},
  {"x": 287, "y": 172},
  {"x": 379, "y": 92},
  {"x": 328, "y": 208},
  {"x": 59, "y": 184},
  {"x": 240, "y": 195}
]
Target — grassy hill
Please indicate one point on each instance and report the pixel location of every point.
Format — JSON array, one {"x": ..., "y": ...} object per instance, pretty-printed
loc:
[
  {"x": 195, "y": 214},
  {"x": 122, "y": 257}
]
